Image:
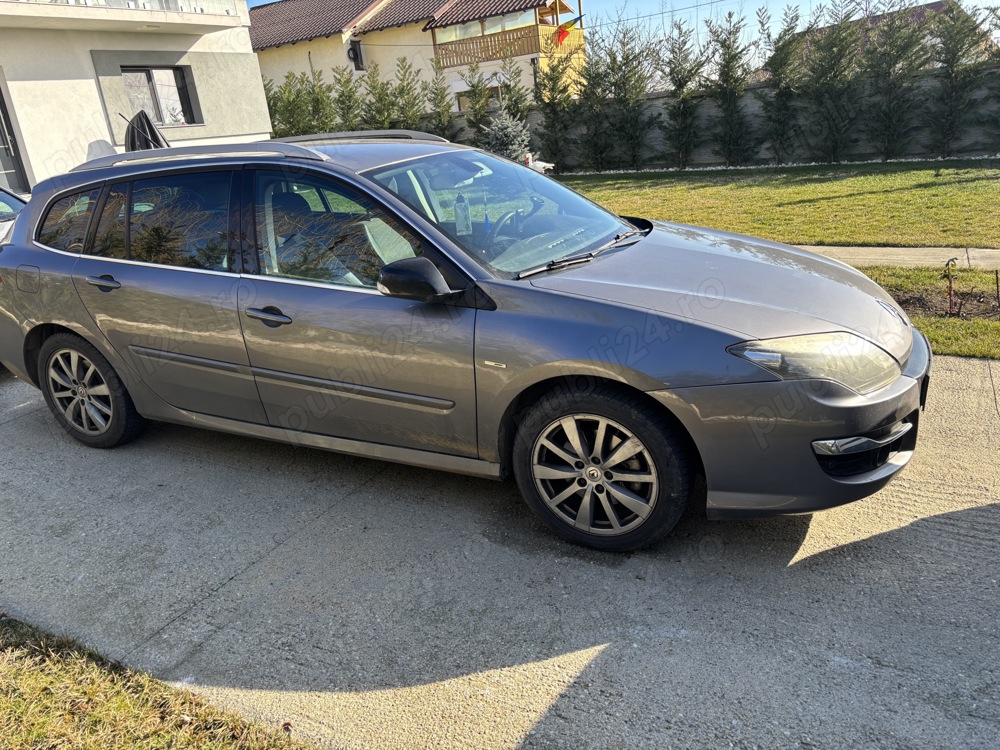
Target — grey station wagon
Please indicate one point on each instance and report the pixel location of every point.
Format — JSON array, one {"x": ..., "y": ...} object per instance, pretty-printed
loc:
[{"x": 406, "y": 299}]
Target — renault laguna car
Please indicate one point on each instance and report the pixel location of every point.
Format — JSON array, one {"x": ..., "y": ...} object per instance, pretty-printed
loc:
[{"x": 403, "y": 298}]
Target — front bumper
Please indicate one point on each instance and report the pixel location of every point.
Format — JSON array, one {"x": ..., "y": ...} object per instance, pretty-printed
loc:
[{"x": 785, "y": 447}]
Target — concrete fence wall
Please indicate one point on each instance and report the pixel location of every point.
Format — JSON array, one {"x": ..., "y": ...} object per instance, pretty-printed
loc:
[{"x": 981, "y": 138}]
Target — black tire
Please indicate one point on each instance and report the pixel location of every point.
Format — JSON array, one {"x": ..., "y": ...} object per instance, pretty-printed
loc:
[
  {"x": 81, "y": 396},
  {"x": 661, "y": 468}
]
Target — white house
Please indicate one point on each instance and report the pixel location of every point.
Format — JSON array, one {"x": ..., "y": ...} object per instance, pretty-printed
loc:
[{"x": 71, "y": 70}]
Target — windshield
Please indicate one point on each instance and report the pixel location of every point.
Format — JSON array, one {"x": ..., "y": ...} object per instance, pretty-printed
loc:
[{"x": 507, "y": 217}]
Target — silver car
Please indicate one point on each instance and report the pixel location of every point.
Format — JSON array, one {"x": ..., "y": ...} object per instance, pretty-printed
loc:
[{"x": 406, "y": 299}]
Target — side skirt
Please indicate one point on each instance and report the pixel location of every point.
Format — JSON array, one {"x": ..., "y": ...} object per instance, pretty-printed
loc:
[{"x": 411, "y": 457}]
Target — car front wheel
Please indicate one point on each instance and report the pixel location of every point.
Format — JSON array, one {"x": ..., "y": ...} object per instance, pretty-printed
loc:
[
  {"x": 85, "y": 394},
  {"x": 601, "y": 470}
]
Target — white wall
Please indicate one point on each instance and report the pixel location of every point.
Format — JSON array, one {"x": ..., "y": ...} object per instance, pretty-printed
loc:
[{"x": 59, "y": 104}]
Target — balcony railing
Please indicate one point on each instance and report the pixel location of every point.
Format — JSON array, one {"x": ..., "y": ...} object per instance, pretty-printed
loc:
[
  {"x": 210, "y": 7},
  {"x": 529, "y": 40}
]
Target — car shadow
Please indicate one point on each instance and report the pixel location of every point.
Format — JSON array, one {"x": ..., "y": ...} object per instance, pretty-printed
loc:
[{"x": 247, "y": 567}]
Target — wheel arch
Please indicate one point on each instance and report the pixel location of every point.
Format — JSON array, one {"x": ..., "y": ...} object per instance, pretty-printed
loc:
[
  {"x": 523, "y": 401},
  {"x": 33, "y": 342}
]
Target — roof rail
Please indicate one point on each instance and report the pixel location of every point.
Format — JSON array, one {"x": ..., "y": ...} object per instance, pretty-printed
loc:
[
  {"x": 270, "y": 148},
  {"x": 413, "y": 135}
]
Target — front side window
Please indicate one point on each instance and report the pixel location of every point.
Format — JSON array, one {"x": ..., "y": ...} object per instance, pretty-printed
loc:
[
  {"x": 66, "y": 223},
  {"x": 161, "y": 92},
  {"x": 505, "y": 216},
  {"x": 313, "y": 229},
  {"x": 178, "y": 220}
]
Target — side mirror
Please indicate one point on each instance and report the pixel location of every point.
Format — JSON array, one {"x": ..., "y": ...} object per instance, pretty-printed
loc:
[{"x": 414, "y": 278}]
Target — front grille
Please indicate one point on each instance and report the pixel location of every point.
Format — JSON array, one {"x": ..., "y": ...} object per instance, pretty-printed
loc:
[{"x": 853, "y": 462}]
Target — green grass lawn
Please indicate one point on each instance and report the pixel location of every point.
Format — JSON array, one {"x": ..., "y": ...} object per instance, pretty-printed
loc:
[
  {"x": 54, "y": 694},
  {"x": 927, "y": 204},
  {"x": 923, "y": 293}
]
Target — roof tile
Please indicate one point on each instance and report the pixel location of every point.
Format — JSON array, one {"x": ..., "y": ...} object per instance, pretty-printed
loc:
[
  {"x": 400, "y": 13},
  {"x": 290, "y": 21},
  {"x": 472, "y": 10}
]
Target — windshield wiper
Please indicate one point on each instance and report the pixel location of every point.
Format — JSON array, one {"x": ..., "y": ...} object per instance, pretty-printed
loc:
[
  {"x": 619, "y": 238},
  {"x": 569, "y": 260},
  {"x": 572, "y": 260}
]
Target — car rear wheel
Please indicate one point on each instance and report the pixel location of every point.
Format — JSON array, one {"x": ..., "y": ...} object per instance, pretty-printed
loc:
[
  {"x": 85, "y": 394},
  {"x": 600, "y": 470}
]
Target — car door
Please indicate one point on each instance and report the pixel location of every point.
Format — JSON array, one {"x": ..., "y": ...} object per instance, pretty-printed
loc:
[
  {"x": 157, "y": 281},
  {"x": 330, "y": 353}
]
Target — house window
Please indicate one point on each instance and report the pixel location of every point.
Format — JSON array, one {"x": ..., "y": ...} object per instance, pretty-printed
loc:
[
  {"x": 509, "y": 22},
  {"x": 519, "y": 20},
  {"x": 161, "y": 92},
  {"x": 355, "y": 56},
  {"x": 469, "y": 30},
  {"x": 493, "y": 25}
]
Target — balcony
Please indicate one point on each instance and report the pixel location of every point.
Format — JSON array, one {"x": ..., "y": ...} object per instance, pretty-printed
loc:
[
  {"x": 529, "y": 40},
  {"x": 166, "y": 16}
]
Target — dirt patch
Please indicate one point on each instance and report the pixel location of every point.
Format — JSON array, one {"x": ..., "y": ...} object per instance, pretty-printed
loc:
[{"x": 969, "y": 304}]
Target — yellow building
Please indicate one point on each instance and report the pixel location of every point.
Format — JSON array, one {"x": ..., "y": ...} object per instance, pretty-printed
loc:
[{"x": 302, "y": 35}]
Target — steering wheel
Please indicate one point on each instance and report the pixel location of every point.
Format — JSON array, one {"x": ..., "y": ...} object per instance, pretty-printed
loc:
[{"x": 501, "y": 223}]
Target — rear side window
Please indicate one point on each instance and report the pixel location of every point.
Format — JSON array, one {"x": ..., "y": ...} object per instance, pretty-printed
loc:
[
  {"x": 177, "y": 220},
  {"x": 65, "y": 225},
  {"x": 181, "y": 220}
]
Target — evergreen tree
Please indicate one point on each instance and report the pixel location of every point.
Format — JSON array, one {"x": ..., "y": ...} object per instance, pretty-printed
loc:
[
  {"x": 894, "y": 54},
  {"x": 410, "y": 103},
  {"x": 441, "y": 119},
  {"x": 301, "y": 105},
  {"x": 347, "y": 99},
  {"x": 958, "y": 53},
  {"x": 832, "y": 89},
  {"x": 993, "y": 123},
  {"x": 515, "y": 99},
  {"x": 507, "y": 136},
  {"x": 554, "y": 99},
  {"x": 630, "y": 53},
  {"x": 598, "y": 141},
  {"x": 681, "y": 67},
  {"x": 480, "y": 99},
  {"x": 734, "y": 138},
  {"x": 783, "y": 66},
  {"x": 379, "y": 110}
]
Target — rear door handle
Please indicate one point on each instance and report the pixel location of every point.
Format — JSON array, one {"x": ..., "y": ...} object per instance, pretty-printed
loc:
[
  {"x": 271, "y": 316},
  {"x": 105, "y": 282}
]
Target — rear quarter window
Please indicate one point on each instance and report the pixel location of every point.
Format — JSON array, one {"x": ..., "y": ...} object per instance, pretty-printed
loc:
[{"x": 66, "y": 222}]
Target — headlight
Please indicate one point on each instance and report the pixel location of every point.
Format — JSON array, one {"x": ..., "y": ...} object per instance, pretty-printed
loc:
[{"x": 842, "y": 357}]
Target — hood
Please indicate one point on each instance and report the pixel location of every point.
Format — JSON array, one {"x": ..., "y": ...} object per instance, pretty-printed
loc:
[{"x": 753, "y": 288}]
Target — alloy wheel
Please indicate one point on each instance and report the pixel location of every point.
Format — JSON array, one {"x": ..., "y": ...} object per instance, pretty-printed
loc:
[
  {"x": 594, "y": 474},
  {"x": 80, "y": 392}
]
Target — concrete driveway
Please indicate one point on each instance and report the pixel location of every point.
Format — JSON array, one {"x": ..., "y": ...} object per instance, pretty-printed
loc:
[{"x": 378, "y": 606}]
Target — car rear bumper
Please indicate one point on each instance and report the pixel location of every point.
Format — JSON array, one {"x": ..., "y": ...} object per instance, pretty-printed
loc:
[{"x": 787, "y": 447}]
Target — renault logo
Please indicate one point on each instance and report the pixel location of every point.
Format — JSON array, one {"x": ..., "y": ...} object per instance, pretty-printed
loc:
[{"x": 892, "y": 310}]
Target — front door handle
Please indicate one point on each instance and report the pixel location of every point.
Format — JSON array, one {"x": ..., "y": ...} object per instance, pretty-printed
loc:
[
  {"x": 271, "y": 316},
  {"x": 105, "y": 283}
]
